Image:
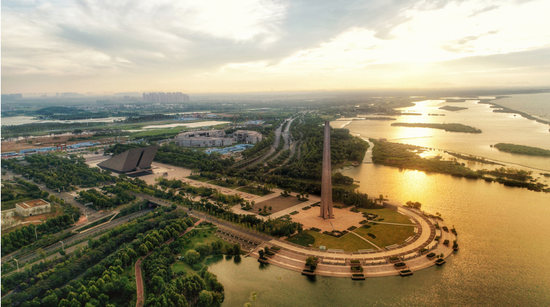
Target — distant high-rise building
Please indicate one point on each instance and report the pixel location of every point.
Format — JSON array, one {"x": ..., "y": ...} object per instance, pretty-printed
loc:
[
  {"x": 71, "y": 95},
  {"x": 165, "y": 97}
]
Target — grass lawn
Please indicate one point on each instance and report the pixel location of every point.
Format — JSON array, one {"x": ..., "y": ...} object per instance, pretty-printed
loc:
[
  {"x": 181, "y": 266},
  {"x": 199, "y": 178},
  {"x": 303, "y": 238},
  {"x": 222, "y": 183},
  {"x": 154, "y": 132},
  {"x": 130, "y": 272},
  {"x": 200, "y": 238},
  {"x": 254, "y": 191},
  {"x": 388, "y": 215},
  {"x": 386, "y": 234},
  {"x": 349, "y": 242}
]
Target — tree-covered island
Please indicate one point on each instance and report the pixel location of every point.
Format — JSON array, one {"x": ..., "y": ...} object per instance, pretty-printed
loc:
[
  {"x": 446, "y": 127},
  {"x": 522, "y": 150}
]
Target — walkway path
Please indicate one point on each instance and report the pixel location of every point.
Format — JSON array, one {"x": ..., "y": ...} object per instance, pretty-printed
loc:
[
  {"x": 398, "y": 224},
  {"x": 374, "y": 262},
  {"x": 139, "y": 278},
  {"x": 364, "y": 239}
]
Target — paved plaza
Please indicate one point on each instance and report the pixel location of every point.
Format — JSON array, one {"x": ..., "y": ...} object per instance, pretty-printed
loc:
[
  {"x": 343, "y": 219},
  {"x": 375, "y": 263}
]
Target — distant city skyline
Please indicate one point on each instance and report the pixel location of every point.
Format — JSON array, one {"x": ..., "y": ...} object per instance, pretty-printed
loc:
[{"x": 271, "y": 45}]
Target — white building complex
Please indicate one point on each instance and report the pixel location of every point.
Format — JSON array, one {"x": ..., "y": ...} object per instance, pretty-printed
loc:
[
  {"x": 205, "y": 138},
  {"x": 32, "y": 207},
  {"x": 216, "y": 138},
  {"x": 245, "y": 136}
]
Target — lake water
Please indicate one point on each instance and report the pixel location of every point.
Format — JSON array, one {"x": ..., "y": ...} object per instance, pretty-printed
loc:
[
  {"x": 496, "y": 127},
  {"x": 535, "y": 104},
  {"x": 504, "y": 257},
  {"x": 22, "y": 120}
]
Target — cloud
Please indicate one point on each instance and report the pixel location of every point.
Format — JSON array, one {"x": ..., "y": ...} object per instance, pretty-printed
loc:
[{"x": 52, "y": 44}]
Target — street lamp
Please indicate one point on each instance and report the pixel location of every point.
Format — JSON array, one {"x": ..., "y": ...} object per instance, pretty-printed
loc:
[
  {"x": 17, "y": 261},
  {"x": 35, "y": 234}
]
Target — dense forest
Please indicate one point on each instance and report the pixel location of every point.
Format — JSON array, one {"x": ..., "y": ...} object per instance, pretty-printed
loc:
[
  {"x": 58, "y": 172},
  {"x": 112, "y": 196},
  {"x": 54, "y": 282}
]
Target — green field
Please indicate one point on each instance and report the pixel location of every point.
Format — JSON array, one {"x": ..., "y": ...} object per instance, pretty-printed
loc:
[
  {"x": 154, "y": 132},
  {"x": 386, "y": 234},
  {"x": 389, "y": 216},
  {"x": 254, "y": 191},
  {"x": 180, "y": 266},
  {"x": 303, "y": 238},
  {"x": 223, "y": 184},
  {"x": 200, "y": 238},
  {"x": 349, "y": 242},
  {"x": 199, "y": 178}
]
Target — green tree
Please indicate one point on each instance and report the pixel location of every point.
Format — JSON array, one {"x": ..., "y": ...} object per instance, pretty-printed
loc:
[
  {"x": 192, "y": 256},
  {"x": 205, "y": 299},
  {"x": 64, "y": 303},
  {"x": 103, "y": 298},
  {"x": 93, "y": 291},
  {"x": 50, "y": 300},
  {"x": 143, "y": 249}
]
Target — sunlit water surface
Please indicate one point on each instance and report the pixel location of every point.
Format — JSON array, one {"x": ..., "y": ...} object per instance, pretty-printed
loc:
[{"x": 504, "y": 237}]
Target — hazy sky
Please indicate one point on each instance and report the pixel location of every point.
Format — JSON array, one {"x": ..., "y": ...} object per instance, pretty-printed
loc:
[{"x": 262, "y": 45}]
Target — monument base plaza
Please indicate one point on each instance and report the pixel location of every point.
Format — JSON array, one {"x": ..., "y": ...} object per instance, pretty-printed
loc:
[{"x": 375, "y": 263}]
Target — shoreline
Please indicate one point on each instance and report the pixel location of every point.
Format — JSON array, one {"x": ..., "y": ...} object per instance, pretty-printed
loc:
[
  {"x": 507, "y": 110},
  {"x": 374, "y": 264}
]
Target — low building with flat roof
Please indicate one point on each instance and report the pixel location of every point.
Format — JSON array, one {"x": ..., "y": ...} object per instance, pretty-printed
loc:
[
  {"x": 203, "y": 138},
  {"x": 205, "y": 142},
  {"x": 246, "y": 136},
  {"x": 32, "y": 207}
]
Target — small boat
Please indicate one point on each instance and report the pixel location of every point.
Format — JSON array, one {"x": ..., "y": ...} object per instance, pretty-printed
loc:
[
  {"x": 308, "y": 272},
  {"x": 440, "y": 261},
  {"x": 405, "y": 272},
  {"x": 358, "y": 276}
]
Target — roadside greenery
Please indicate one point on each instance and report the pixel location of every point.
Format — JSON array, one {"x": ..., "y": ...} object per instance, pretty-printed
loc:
[{"x": 26, "y": 235}]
